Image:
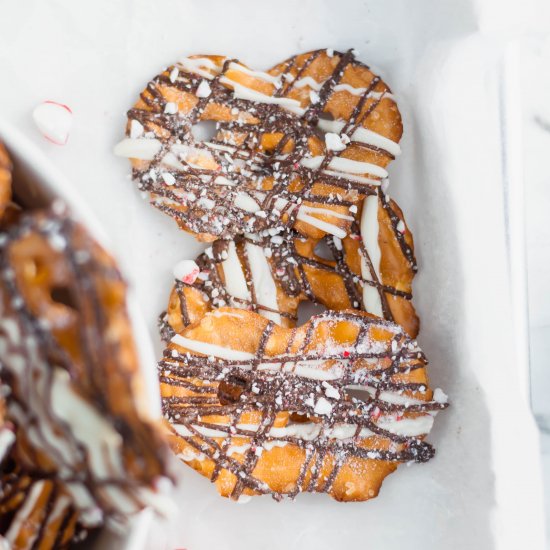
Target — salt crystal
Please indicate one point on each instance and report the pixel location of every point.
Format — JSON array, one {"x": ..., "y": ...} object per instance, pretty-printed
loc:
[{"x": 171, "y": 108}]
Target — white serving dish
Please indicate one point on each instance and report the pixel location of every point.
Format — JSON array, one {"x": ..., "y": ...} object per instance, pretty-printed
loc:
[
  {"x": 36, "y": 184},
  {"x": 451, "y": 65}
]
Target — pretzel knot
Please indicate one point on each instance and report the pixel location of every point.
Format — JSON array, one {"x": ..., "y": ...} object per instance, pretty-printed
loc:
[
  {"x": 267, "y": 166},
  {"x": 371, "y": 270},
  {"x": 332, "y": 406}
]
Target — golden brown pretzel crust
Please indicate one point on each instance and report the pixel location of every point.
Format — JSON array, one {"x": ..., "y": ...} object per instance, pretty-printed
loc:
[
  {"x": 335, "y": 283},
  {"x": 5, "y": 179},
  {"x": 380, "y": 115},
  {"x": 161, "y": 91},
  {"x": 215, "y": 395},
  {"x": 252, "y": 128}
]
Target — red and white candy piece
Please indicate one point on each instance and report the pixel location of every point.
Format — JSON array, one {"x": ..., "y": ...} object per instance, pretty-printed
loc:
[
  {"x": 186, "y": 271},
  {"x": 54, "y": 120}
]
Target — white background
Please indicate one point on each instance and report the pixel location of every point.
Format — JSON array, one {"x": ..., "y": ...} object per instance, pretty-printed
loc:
[{"x": 452, "y": 65}]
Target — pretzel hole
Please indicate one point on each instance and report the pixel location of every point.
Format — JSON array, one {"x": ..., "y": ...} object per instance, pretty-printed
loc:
[
  {"x": 323, "y": 251},
  {"x": 63, "y": 295},
  {"x": 299, "y": 418},
  {"x": 361, "y": 395},
  {"x": 323, "y": 116},
  {"x": 204, "y": 130},
  {"x": 306, "y": 310},
  {"x": 230, "y": 390}
]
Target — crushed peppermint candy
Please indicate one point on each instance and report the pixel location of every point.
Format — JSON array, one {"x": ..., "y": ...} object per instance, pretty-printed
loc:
[
  {"x": 439, "y": 396},
  {"x": 322, "y": 407},
  {"x": 174, "y": 73},
  {"x": 186, "y": 271},
  {"x": 204, "y": 89},
  {"x": 401, "y": 227},
  {"x": 136, "y": 129},
  {"x": 171, "y": 108},
  {"x": 314, "y": 97},
  {"x": 334, "y": 142},
  {"x": 168, "y": 178},
  {"x": 54, "y": 120},
  {"x": 331, "y": 391}
]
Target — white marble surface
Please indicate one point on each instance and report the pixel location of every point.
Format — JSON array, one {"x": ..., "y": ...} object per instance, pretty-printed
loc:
[{"x": 96, "y": 56}]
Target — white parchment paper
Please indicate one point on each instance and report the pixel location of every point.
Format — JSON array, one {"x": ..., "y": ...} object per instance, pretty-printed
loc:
[{"x": 447, "y": 63}]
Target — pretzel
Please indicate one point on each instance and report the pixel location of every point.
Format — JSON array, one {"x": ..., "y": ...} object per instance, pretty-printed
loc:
[
  {"x": 71, "y": 374},
  {"x": 5, "y": 179},
  {"x": 40, "y": 510},
  {"x": 371, "y": 269},
  {"x": 343, "y": 98},
  {"x": 332, "y": 406},
  {"x": 265, "y": 168}
]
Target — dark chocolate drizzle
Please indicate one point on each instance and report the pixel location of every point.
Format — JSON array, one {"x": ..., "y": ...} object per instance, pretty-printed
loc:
[
  {"x": 288, "y": 270},
  {"x": 271, "y": 392},
  {"x": 193, "y": 185}
]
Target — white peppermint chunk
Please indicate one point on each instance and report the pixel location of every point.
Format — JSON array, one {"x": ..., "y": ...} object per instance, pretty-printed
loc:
[
  {"x": 334, "y": 142},
  {"x": 440, "y": 396},
  {"x": 204, "y": 89},
  {"x": 174, "y": 74},
  {"x": 168, "y": 178},
  {"x": 331, "y": 391},
  {"x": 54, "y": 120},
  {"x": 186, "y": 271},
  {"x": 136, "y": 129},
  {"x": 322, "y": 407},
  {"x": 314, "y": 97}
]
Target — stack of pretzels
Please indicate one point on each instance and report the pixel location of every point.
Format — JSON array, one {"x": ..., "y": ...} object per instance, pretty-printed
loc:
[{"x": 289, "y": 190}]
